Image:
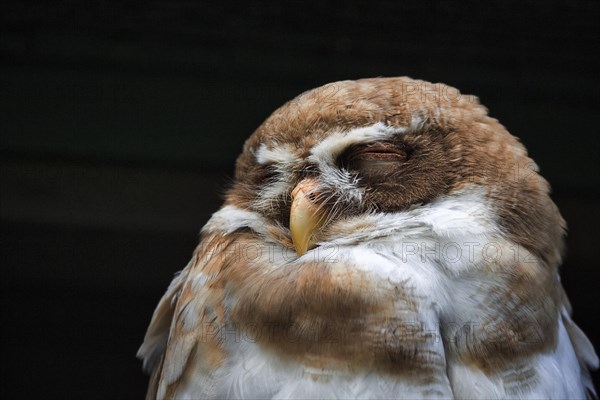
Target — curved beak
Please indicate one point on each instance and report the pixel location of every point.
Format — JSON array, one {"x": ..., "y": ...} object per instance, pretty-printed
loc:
[{"x": 306, "y": 216}]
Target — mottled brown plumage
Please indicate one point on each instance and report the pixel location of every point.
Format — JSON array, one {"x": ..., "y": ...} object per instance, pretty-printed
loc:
[{"x": 393, "y": 163}]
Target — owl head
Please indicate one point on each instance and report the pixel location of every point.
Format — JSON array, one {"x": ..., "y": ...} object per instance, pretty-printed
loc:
[{"x": 331, "y": 163}]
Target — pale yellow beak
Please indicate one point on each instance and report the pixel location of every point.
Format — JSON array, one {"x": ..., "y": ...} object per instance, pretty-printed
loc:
[{"x": 306, "y": 217}]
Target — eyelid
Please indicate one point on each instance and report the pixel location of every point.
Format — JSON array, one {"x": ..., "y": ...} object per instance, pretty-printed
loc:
[
  {"x": 382, "y": 151},
  {"x": 367, "y": 164},
  {"x": 374, "y": 158},
  {"x": 380, "y": 154}
]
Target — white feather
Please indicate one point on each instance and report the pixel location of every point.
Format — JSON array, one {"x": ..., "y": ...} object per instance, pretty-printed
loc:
[
  {"x": 254, "y": 373},
  {"x": 277, "y": 154},
  {"x": 231, "y": 218}
]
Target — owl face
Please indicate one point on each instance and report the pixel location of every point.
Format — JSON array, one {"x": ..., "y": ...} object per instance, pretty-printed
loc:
[{"x": 353, "y": 149}]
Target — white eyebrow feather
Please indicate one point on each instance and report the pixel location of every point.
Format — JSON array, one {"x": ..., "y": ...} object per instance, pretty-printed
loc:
[
  {"x": 332, "y": 146},
  {"x": 277, "y": 154}
]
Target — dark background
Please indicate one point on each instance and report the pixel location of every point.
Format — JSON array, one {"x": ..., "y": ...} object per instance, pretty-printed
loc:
[{"x": 120, "y": 123}]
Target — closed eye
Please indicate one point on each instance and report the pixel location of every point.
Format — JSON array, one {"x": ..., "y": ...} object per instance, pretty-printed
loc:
[
  {"x": 370, "y": 157},
  {"x": 269, "y": 173}
]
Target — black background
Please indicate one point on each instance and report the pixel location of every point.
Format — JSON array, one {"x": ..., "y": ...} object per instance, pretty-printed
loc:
[{"x": 120, "y": 123}]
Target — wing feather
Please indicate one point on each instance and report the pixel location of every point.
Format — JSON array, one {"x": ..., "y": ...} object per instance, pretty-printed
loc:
[
  {"x": 184, "y": 322},
  {"x": 157, "y": 334},
  {"x": 584, "y": 350}
]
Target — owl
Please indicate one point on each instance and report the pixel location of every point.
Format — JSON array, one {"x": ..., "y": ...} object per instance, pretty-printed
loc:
[{"x": 382, "y": 238}]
